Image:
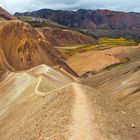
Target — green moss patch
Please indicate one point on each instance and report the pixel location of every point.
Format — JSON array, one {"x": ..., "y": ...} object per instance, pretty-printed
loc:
[
  {"x": 116, "y": 42},
  {"x": 69, "y": 50}
]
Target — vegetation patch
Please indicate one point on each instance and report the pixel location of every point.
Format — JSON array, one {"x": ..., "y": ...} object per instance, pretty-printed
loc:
[
  {"x": 110, "y": 67},
  {"x": 128, "y": 34},
  {"x": 69, "y": 50},
  {"x": 116, "y": 42},
  {"x": 104, "y": 43},
  {"x": 40, "y": 22},
  {"x": 123, "y": 62}
]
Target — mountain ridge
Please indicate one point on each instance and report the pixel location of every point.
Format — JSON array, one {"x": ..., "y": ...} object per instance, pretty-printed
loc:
[
  {"x": 89, "y": 19},
  {"x": 27, "y": 48},
  {"x": 6, "y": 15},
  {"x": 77, "y": 10}
]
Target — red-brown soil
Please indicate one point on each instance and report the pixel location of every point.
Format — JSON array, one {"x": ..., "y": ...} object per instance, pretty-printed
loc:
[
  {"x": 23, "y": 47},
  {"x": 66, "y": 37},
  {"x": 6, "y": 15}
]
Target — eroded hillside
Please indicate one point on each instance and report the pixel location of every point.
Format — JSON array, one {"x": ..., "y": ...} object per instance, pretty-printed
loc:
[
  {"x": 121, "y": 83},
  {"x": 66, "y": 37},
  {"x": 89, "y": 19},
  {"x": 88, "y": 91},
  {"x": 23, "y": 47},
  {"x": 42, "y": 103}
]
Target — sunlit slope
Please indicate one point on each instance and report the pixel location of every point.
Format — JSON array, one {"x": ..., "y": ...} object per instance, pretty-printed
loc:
[
  {"x": 23, "y": 47},
  {"x": 5, "y": 15},
  {"x": 38, "y": 80},
  {"x": 72, "y": 112},
  {"x": 122, "y": 83},
  {"x": 98, "y": 59}
]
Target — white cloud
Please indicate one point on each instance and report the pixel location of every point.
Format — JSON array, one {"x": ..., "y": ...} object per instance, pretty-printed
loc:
[{"x": 31, "y": 5}]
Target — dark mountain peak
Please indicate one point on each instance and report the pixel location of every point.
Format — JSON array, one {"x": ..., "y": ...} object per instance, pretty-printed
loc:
[
  {"x": 81, "y": 10},
  {"x": 90, "y": 19}
]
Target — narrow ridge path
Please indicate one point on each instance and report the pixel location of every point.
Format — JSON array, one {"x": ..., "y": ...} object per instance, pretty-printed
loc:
[{"x": 83, "y": 126}]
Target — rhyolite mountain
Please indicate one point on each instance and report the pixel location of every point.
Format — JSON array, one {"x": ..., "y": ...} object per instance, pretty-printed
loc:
[
  {"x": 23, "y": 47},
  {"x": 5, "y": 15},
  {"x": 90, "y": 19}
]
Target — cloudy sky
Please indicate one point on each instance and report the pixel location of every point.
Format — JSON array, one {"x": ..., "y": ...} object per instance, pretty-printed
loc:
[{"x": 31, "y": 5}]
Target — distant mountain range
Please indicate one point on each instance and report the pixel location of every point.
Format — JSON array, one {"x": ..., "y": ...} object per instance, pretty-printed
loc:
[{"x": 90, "y": 19}]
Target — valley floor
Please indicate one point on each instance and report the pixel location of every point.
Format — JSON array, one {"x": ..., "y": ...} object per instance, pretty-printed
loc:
[{"x": 94, "y": 60}]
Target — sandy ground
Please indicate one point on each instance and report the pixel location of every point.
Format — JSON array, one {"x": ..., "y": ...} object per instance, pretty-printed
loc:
[
  {"x": 42, "y": 78},
  {"x": 121, "y": 83},
  {"x": 96, "y": 60},
  {"x": 81, "y": 127},
  {"x": 44, "y": 104}
]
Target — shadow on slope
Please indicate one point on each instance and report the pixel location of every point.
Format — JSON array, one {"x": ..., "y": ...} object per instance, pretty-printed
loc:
[{"x": 122, "y": 83}]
